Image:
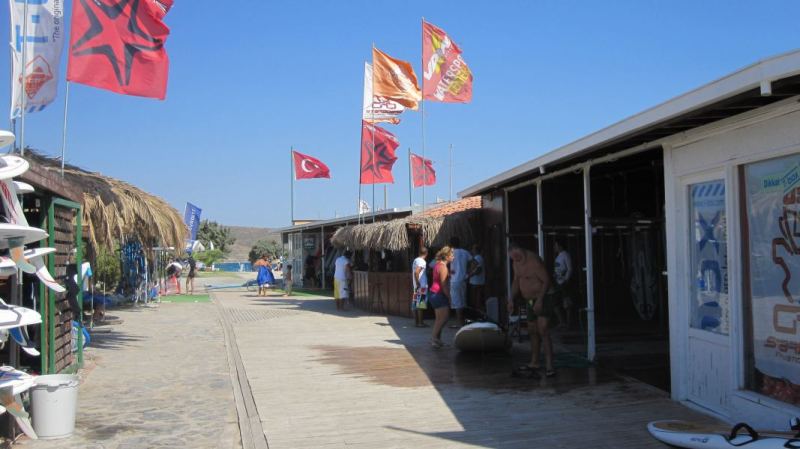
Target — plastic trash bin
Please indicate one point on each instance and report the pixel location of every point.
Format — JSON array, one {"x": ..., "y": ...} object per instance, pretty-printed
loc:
[{"x": 54, "y": 402}]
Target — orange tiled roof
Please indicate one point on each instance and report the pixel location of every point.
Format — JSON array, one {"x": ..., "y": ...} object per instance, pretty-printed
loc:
[{"x": 471, "y": 202}]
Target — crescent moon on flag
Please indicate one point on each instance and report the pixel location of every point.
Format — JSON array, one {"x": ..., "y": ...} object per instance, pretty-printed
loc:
[{"x": 303, "y": 166}]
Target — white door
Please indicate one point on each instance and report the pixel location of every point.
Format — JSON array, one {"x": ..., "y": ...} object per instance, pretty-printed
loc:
[{"x": 705, "y": 229}]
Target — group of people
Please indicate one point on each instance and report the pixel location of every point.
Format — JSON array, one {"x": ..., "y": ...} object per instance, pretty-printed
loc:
[
  {"x": 174, "y": 270},
  {"x": 546, "y": 298},
  {"x": 266, "y": 278}
]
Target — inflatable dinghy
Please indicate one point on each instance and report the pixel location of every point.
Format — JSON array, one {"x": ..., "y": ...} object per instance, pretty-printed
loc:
[
  {"x": 482, "y": 336},
  {"x": 703, "y": 436}
]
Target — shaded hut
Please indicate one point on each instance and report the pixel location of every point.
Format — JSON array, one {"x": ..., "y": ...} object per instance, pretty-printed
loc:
[{"x": 384, "y": 251}]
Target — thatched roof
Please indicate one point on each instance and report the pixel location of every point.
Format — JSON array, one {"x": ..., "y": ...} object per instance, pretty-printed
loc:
[
  {"x": 393, "y": 235},
  {"x": 113, "y": 209}
]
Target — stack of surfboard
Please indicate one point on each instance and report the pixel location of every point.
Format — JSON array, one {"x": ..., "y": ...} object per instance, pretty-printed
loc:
[
  {"x": 15, "y": 233},
  {"x": 698, "y": 436}
]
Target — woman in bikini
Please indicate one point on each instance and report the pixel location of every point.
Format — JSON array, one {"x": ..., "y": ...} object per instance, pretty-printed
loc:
[{"x": 439, "y": 298}]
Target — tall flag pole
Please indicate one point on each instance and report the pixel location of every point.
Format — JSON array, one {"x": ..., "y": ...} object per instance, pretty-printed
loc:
[
  {"x": 291, "y": 185},
  {"x": 422, "y": 110},
  {"x": 24, "y": 97},
  {"x": 451, "y": 172},
  {"x": 410, "y": 182},
  {"x": 64, "y": 130}
]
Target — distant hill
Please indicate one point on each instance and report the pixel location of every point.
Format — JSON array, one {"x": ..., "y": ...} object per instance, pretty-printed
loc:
[{"x": 246, "y": 238}]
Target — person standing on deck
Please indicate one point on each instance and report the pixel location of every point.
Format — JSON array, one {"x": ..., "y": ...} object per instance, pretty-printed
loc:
[
  {"x": 458, "y": 280},
  {"x": 439, "y": 292},
  {"x": 532, "y": 282},
  {"x": 562, "y": 272},
  {"x": 342, "y": 274},
  {"x": 419, "y": 280}
]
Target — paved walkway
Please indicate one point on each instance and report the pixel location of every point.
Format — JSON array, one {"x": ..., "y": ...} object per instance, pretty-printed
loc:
[
  {"x": 160, "y": 379},
  {"x": 329, "y": 380}
]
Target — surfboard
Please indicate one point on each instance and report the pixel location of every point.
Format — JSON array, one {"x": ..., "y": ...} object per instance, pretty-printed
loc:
[
  {"x": 23, "y": 187},
  {"x": 700, "y": 436},
  {"x": 7, "y": 267},
  {"x": 11, "y": 166},
  {"x": 482, "y": 336},
  {"x": 6, "y": 138},
  {"x": 26, "y": 233},
  {"x": 20, "y": 335},
  {"x": 16, "y": 316}
]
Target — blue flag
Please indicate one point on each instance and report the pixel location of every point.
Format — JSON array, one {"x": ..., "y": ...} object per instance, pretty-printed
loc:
[{"x": 191, "y": 216}]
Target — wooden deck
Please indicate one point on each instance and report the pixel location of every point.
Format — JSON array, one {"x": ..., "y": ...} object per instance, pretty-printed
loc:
[{"x": 322, "y": 379}]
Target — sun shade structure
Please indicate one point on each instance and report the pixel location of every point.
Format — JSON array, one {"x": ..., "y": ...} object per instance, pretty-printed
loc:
[
  {"x": 437, "y": 226},
  {"x": 113, "y": 209}
]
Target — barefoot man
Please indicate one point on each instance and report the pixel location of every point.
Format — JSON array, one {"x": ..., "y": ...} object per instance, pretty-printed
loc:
[{"x": 532, "y": 282}]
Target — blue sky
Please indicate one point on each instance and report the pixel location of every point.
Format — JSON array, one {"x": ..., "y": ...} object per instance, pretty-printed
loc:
[{"x": 249, "y": 79}]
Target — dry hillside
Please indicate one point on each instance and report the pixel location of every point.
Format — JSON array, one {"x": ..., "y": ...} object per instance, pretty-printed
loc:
[{"x": 246, "y": 238}]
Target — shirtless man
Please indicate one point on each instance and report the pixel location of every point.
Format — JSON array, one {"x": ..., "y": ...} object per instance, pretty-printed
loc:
[{"x": 532, "y": 282}]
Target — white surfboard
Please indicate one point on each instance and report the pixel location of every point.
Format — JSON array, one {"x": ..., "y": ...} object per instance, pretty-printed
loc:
[
  {"x": 26, "y": 233},
  {"x": 23, "y": 187},
  {"x": 16, "y": 316},
  {"x": 12, "y": 166},
  {"x": 36, "y": 257},
  {"x": 7, "y": 267},
  {"x": 699, "y": 436},
  {"x": 481, "y": 337},
  {"x": 20, "y": 335},
  {"x": 6, "y": 138}
]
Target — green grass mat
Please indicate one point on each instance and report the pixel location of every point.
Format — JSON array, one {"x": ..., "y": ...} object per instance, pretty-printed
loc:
[{"x": 186, "y": 298}]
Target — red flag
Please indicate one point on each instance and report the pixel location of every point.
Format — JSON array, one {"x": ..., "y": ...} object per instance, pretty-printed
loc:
[
  {"x": 422, "y": 171},
  {"x": 445, "y": 74},
  {"x": 119, "y": 46},
  {"x": 377, "y": 162},
  {"x": 307, "y": 167}
]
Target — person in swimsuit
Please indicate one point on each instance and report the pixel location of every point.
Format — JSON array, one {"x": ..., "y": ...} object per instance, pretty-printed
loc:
[
  {"x": 532, "y": 282},
  {"x": 439, "y": 294},
  {"x": 191, "y": 275}
]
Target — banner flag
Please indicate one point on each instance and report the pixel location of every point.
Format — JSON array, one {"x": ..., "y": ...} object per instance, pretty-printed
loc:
[
  {"x": 43, "y": 44},
  {"x": 422, "y": 171},
  {"x": 377, "y": 161},
  {"x": 378, "y": 109},
  {"x": 191, "y": 217},
  {"x": 120, "y": 47},
  {"x": 307, "y": 167},
  {"x": 394, "y": 79},
  {"x": 446, "y": 75}
]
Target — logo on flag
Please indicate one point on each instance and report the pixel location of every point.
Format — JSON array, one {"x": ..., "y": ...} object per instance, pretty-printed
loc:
[
  {"x": 120, "y": 46},
  {"x": 377, "y": 160},
  {"x": 422, "y": 171},
  {"x": 43, "y": 43},
  {"x": 447, "y": 75},
  {"x": 378, "y": 109},
  {"x": 307, "y": 167},
  {"x": 191, "y": 217},
  {"x": 395, "y": 80}
]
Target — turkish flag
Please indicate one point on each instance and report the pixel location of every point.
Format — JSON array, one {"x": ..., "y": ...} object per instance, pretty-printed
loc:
[
  {"x": 422, "y": 171},
  {"x": 377, "y": 160},
  {"x": 118, "y": 45},
  {"x": 307, "y": 167}
]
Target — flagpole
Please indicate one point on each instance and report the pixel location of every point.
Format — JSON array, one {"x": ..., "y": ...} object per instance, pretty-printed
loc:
[
  {"x": 372, "y": 151},
  {"x": 410, "y": 181},
  {"x": 23, "y": 96},
  {"x": 422, "y": 112},
  {"x": 64, "y": 131},
  {"x": 291, "y": 185},
  {"x": 360, "y": 166},
  {"x": 451, "y": 172}
]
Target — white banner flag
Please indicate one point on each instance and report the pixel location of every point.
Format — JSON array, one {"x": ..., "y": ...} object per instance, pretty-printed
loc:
[
  {"x": 378, "y": 109},
  {"x": 44, "y": 40}
]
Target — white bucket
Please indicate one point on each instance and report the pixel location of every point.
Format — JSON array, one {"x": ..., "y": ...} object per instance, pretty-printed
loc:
[{"x": 54, "y": 402}]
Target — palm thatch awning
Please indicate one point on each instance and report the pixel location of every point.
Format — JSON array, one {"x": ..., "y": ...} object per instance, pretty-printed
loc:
[
  {"x": 113, "y": 209},
  {"x": 436, "y": 229}
]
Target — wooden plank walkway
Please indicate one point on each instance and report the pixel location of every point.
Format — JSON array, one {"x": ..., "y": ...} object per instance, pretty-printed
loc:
[{"x": 326, "y": 379}]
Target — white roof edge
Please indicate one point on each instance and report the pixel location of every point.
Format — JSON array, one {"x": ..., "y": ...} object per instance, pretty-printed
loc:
[
  {"x": 315, "y": 224},
  {"x": 749, "y": 77}
]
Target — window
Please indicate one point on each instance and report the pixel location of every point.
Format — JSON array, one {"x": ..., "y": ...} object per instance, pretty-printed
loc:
[
  {"x": 772, "y": 287},
  {"x": 709, "y": 257}
]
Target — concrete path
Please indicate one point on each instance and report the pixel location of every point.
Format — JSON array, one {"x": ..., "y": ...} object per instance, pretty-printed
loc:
[
  {"x": 160, "y": 379},
  {"x": 326, "y": 379}
]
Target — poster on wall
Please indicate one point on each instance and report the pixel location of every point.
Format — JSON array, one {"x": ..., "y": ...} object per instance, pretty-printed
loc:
[
  {"x": 710, "y": 304},
  {"x": 773, "y": 209}
]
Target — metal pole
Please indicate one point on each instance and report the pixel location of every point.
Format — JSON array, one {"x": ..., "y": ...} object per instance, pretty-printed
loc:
[
  {"x": 540, "y": 218},
  {"x": 322, "y": 257},
  {"x": 410, "y": 181},
  {"x": 451, "y": 172},
  {"x": 507, "y": 241},
  {"x": 385, "y": 198},
  {"x": 64, "y": 131},
  {"x": 422, "y": 113},
  {"x": 23, "y": 96},
  {"x": 291, "y": 184},
  {"x": 591, "y": 352}
]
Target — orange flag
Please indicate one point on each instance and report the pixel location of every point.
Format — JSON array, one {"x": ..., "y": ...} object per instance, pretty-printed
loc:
[{"x": 395, "y": 80}]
